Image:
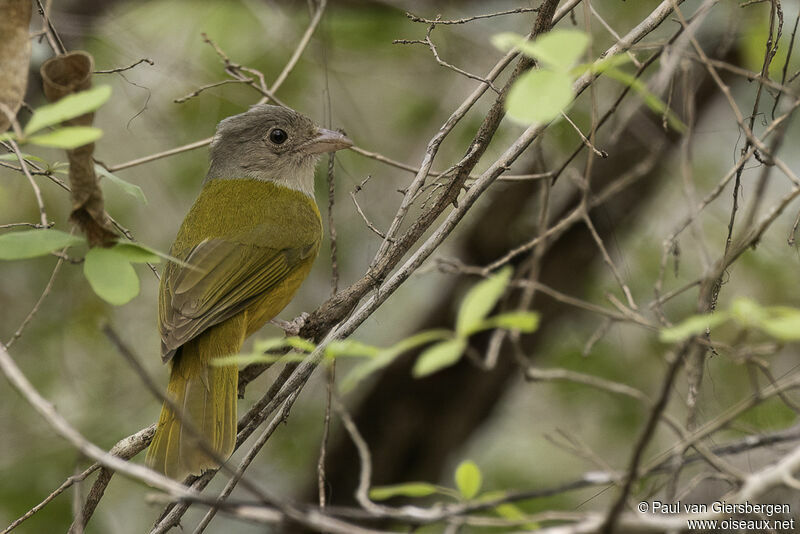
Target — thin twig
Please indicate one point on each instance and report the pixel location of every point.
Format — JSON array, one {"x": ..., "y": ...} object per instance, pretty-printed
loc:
[
  {"x": 199, "y": 90},
  {"x": 429, "y": 43},
  {"x": 415, "y": 18},
  {"x": 129, "y": 67}
]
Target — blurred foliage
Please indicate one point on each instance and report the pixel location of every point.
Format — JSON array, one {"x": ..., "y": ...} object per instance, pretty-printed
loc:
[{"x": 390, "y": 99}]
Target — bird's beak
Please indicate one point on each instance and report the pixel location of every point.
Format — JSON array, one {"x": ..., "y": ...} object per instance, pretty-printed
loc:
[{"x": 327, "y": 141}]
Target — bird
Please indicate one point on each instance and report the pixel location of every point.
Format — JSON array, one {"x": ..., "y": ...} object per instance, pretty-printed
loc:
[{"x": 242, "y": 251}]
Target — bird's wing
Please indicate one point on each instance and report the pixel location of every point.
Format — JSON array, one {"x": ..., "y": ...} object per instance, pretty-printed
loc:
[{"x": 221, "y": 279}]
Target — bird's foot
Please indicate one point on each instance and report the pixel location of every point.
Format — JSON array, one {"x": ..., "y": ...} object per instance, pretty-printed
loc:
[{"x": 293, "y": 327}]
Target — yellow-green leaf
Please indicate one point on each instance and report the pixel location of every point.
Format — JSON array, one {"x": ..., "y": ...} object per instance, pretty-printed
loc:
[
  {"x": 480, "y": 300},
  {"x": 782, "y": 323},
  {"x": 747, "y": 312},
  {"x": 559, "y": 49},
  {"x": 439, "y": 356},
  {"x": 692, "y": 326},
  {"x": 68, "y": 137},
  {"x": 524, "y": 321},
  {"x": 386, "y": 356},
  {"x": 468, "y": 479}
]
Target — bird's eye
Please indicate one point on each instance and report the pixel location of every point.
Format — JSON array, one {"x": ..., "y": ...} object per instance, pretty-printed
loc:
[{"x": 278, "y": 136}]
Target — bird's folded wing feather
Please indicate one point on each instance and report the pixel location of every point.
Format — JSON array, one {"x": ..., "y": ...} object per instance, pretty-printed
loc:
[{"x": 221, "y": 279}]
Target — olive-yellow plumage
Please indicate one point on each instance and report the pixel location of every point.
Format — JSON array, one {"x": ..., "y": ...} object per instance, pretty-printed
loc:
[{"x": 246, "y": 245}]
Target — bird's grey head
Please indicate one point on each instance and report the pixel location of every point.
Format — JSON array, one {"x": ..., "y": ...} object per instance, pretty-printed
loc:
[{"x": 271, "y": 143}]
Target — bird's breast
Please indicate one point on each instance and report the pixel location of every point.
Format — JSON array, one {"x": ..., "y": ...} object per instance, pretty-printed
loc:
[{"x": 251, "y": 212}]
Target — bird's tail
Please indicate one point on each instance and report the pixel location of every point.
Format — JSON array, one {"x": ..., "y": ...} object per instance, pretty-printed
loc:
[{"x": 205, "y": 394}]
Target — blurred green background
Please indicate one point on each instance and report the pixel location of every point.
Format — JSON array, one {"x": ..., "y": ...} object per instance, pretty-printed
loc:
[{"x": 389, "y": 99}]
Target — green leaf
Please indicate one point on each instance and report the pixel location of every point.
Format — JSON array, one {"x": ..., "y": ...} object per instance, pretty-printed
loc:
[
  {"x": 747, "y": 312},
  {"x": 32, "y": 243},
  {"x": 132, "y": 189},
  {"x": 539, "y": 96},
  {"x": 602, "y": 64},
  {"x": 468, "y": 479},
  {"x": 513, "y": 513},
  {"x": 692, "y": 326},
  {"x": 651, "y": 100},
  {"x": 782, "y": 323},
  {"x": 507, "y": 40},
  {"x": 524, "y": 321},
  {"x": 7, "y": 136},
  {"x": 559, "y": 49},
  {"x": 409, "y": 489},
  {"x": 439, "y": 356},
  {"x": 68, "y": 137},
  {"x": 111, "y": 275},
  {"x": 136, "y": 253},
  {"x": 480, "y": 300},
  {"x": 68, "y": 107},
  {"x": 386, "y": 356}
]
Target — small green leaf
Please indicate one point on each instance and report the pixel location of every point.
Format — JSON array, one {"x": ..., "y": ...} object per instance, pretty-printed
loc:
[
  {"x": 13, "y": 157},
  {"x": 539, "y": 96},
  {"x": 468, "y": 479},
  {"x": 68, "y": 107},
  {"x": 692, "y": 326},
  {"x": 782, "y": 323},
  {"x": 509, "y": 511},
  {"x": 7, "y": 136},
  {"x": 131, "y": 189},
  {"x": 513, "y": 513},
  {"x": 111, "y": 275},
  {"x": 32, "y": 243},
  {"x": 480, "y": 300},
  {"x": 524, "y": 321},
  {"x": 386, "y": 356},
  {"x": 68, "y": 137},
  {"x": 507, "y": 40},
  {"x": 439, "y": 356},
  {"x": 409, "y": 489},
  {"x": 747, "y": 312},
  {"x": 136, "y": 253}
]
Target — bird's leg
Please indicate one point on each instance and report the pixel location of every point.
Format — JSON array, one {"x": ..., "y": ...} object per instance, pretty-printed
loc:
[{"x": 291, "y": 328}]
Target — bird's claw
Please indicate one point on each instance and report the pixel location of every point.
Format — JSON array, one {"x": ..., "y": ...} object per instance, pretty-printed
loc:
[{"x": 293, "y": 327}]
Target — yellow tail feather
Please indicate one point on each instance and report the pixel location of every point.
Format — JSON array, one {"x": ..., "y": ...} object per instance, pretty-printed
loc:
[{"x": 206, "y": 397}]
